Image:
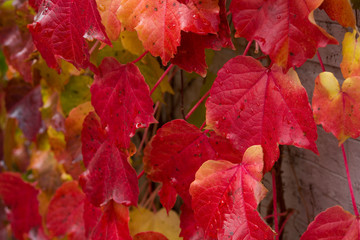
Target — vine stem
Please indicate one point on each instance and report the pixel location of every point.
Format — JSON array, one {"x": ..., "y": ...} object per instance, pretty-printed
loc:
[
  {"x": 161, "y": 78},
  {"x": 140, "y": 57},
  {"x": 247, "y": 48},
  {"x": 321, "y": 61},
  {"x": 197, "y": 105},
  {"x": 349, "y": 182},
  {"x": 273, "y": 173}
]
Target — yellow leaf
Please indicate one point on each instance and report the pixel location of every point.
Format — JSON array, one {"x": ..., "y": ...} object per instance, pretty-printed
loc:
[
  {"x": 350, "y": 65},
  {"x": 142, "y": 220},
  {"x": 131, "y": 42},
  {"x": 107, "y": 10}
]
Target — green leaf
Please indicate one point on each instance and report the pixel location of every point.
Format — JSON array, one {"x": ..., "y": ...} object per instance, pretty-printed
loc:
[{"x": 76, "y": 92}]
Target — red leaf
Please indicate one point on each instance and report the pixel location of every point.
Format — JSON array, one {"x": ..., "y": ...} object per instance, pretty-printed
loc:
[
  {"x": 158, "y": 23},
  {"x": 121, "y": 98},
  {"x": 201, "y": 16},
  {"x": 190, "y": 229},
  {"x": 149, "y": 236},
  {"x": 113, "y": 223},
  {"x": 60, "y": 27},
  {"x": 335, "y": 108},
  {"x": 191, "y": 52},
  {"x": 167, "y": 196},
  {"x": 23, "y": 103},
  {"x": 65, "y": 212},
  {"x": 225, "y": 197},
  {"x": 285, "y": 30},
  {"x": 109, "y": 175},
  {"x": 252, "y": 105},
  {"x": 92, "y": 137},
  {"x": 21, "y": 197},
  {"x": 177, "y": 151},
  {"x": 333, "y": 223},
  {"x": 17, "y": 46},
  {"x": 91, "y": 217}
]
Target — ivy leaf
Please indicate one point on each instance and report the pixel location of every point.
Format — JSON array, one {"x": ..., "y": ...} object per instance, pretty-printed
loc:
[
  {"x": 113, "y": 223},
  {"x": 65, "y": 212},
  {"x": 225, "y": 197},
  {"x": 23, "y": 103},
  {"x": 201, "y": 17},
  {"x": 24, "y": 215},
  {"x": 252, "y": 105},
  {"x": 149, "y": 236},
  {"x": 167, "y": 196},
  {"x": 143, "y": 220},
  {"x": 107, "y": 10},
  {"x": 337, "y": 110},
  {"x": 76, "y": 92},
  {"x": 285, "y": 30},
  {"x": 158, "y": 23},
  {"x": 333, "y": 223},
  {"x": 120, "y": 95},
  {"x": 16, "y": 43},
  {"x": 340, "y": 11},
  {"x": 350, "y": 65},
  {"x": 59, "y": 30},
  {"x": 177, "y": 151},
  {"x": 109, "y": 175},
  {"x": 190, "y": 229}
]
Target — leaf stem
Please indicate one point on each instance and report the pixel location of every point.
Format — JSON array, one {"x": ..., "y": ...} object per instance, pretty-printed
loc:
[
  {"x": 141, "y": 174},
  {"x": 161, "y": 78},
  {"x": 197, "y": 105},
  {"x": 94, "y": 46},
  {"x": 203, "y": 125},
  {"x": 287, "y": 219},
  {"x": 247, "y": 48},
  {"x": 273, "y": 173},
  {"x": 140, "y": 57},
  {"x": 321, "y": 61},
  {"x": 349, "y": 182}
]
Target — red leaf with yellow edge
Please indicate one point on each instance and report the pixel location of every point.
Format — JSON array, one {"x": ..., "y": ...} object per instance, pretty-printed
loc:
[
  {"x": 113, "y": 223},
  {"x": 122, "y": 100},
  {"x": 21, "y": 198},
  {"x": 285, "y": 30},
  {"x": 149, "y": 236},
  {"x": 65, "y": 212},
  {"x": 158, "y": 23},
  {"x": 333, "y": 223},
  {"x": 252, "y": 105},
  {"x": 340, "y": 11},
  {"x": 225, "y": 197},
  {"x": 109, "y": 175},
  {"x": 177, "y": 151},
  {"x": 337, "y": 110},
  {"x": 59, "y": 30},
  {"x": 350, "y": 65},
  {"x": 107, "y": 10}
]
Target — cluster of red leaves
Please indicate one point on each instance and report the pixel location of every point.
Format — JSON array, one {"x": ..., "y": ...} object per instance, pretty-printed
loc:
[{"x": 217, "y": 172}]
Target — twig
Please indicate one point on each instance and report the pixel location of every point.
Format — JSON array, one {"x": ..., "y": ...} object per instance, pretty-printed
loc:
[
  {"x": 94, "y": 46},
  {"x": 321, "y": 62}
]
